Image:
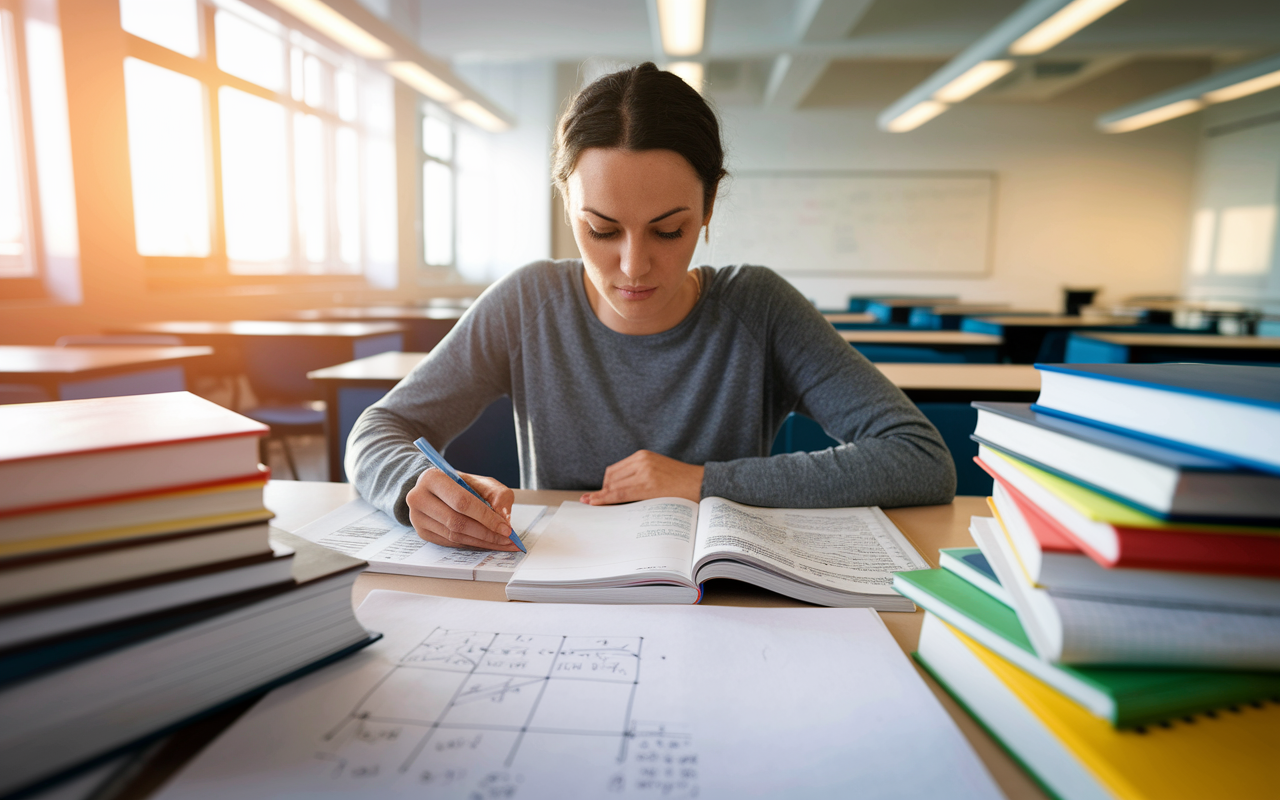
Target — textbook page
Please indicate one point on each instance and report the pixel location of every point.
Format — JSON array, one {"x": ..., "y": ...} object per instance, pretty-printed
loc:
[
  {"x": 587, "y": 544},
  {"x": 527, "y": 701},
  {"x": 360, "y": 530},
  {"x": 850, "y": 549}
]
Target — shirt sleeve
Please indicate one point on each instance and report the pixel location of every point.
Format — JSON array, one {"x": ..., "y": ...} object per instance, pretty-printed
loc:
[
  {"x": 890, "y": 454},
  {"x": 439, "y": 399}
]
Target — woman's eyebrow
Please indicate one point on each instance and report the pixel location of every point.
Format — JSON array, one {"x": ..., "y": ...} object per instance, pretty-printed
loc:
[{"x": 658, "y": 218}]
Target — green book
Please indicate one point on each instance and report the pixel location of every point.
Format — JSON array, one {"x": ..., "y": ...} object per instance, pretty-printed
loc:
[{"x": 1126, "y": 696}]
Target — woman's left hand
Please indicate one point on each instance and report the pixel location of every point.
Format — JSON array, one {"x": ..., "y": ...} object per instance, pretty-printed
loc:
[{"x": 644, "y": 475}]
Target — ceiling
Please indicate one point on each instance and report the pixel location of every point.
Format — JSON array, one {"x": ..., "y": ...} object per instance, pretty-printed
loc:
[{"x": 889, "y": 47}]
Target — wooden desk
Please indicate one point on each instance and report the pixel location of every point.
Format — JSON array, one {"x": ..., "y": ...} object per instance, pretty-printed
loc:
[
  {"x": 925, "y": 345},
  {"x": 860, "y": 302},
  {"x": 964, "y": 383},
  {"x": 1023, "y": 336},
  {"x": 1155, "y": 348},
  {"x": 950, "y": 317},
  {"x": 839, "y": 318},
  {"x": 352, "y": 387},
  {"x": 423, "y": 327},
  {"x": 69, "y": 373},
  {"x": 215, "y": 333},
  {"x": 929, "y": 528}
]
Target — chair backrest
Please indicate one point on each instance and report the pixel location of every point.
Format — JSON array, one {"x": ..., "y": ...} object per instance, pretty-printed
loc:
[
  {"x": 118, "y": 340},
  {"x": 488, "y": 446},
  {"x": 277, "y": 366}
]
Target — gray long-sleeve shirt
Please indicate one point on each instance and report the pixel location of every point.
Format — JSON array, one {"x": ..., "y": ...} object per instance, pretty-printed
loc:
[{"x": 713, "y": 390}]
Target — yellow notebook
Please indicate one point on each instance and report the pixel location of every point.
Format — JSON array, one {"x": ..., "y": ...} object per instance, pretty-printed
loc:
[
  {"x": 1227, "y": 754},
  {"x": 1100, "y": 508},
  {"x": 11, "y": 549}
]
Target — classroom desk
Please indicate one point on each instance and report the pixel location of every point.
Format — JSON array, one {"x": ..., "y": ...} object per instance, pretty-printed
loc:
[
  {"x": 839, "y": 318},
  {"x": 350, "y": 388},
  {"x": 1155, "y": 348},
  {"x": 69, "y": 373},
  {"x": 900, "y": 309},
  {"x": 950, "y": 317},
  {"x": 964, "y": 383},
  {"x": 423, "y": 327},
  {"x": 924, "y": 345},
  {"x": 859, "y": 302},
  {"x": 928, "y": 528},
  {"x": 1023, "y": 336}
]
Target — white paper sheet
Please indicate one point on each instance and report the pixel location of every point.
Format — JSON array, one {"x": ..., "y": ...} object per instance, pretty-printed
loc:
[
  {"x": 358, "y": 529},
  {"x": 470, "y": 699}
]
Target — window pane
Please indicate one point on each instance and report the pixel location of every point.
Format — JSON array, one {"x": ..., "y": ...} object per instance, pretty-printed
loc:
[
  {"x": 168, "y": 23},
  {"x": 15, "y": 255},
  {"x": 165, "y": 113},
  {"x": 437, "y": 138},
  {"x": 437, "y": 213},
  {"x": 249, "y": 52},
  {"x": 295, "y": 73},
  {"x": 313, "y": 82},
  {"x": 309, "y": 148},
  {"x": 345, "y": 87},
  {"x": 347, "y": 193},
  {"x": 255, "y": 182}
]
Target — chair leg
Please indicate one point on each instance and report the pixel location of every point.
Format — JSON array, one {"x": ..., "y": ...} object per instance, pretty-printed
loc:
[{"x": 288, "y": 456}]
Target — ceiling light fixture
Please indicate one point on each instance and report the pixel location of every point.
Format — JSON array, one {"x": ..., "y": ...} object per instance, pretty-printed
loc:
[
  {"x": 337, "y": 27},
  {"x": 1061, "y": 26},
  {"x": 682, "y": 24},
  {"x": 979, "y": 77},
  {"x": 691, "y": 72},
  {"x": 426, "y": 83},
  {"x": 1035, "y": 27},
  {"x": 480, "y": 116},
  {"x": 1220, "y": 87}
]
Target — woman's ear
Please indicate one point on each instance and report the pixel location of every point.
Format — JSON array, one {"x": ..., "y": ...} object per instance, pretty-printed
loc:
[{"x": 706, "y": 218}]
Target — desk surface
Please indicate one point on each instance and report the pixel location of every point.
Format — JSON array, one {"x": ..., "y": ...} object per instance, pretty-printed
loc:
[
  {"x": 860, "y": 317},
  {"x": 1056, "y": 321},
  {"x": 390, "y": 367},
  {"x": 911, "y": 302},
  {"x": 963, "y": 377},
  {"x": 1187, "y": 340},
  {"x": 988, "y": 309},
  {"x": 78, "y": 362},
  {"x": 921, "y": 337},
  {"x": 377, "y": 313},
  {"x": 258, "y": 327},
  {"x": 929, "y": 528}
]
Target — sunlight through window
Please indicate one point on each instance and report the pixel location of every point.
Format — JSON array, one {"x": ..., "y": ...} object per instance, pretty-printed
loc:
[
  {"x": 165, "y": 113},
  {"x": 347, "y": 193},
  {"x": 437, "y": 213},
  {"x": 15, "y": 255},
  {"x": 255, "y": 183},
  {"x": 247, "y": 51},
  {"x": 169, "y": 23},
  {"x": 309, "y": 147}
]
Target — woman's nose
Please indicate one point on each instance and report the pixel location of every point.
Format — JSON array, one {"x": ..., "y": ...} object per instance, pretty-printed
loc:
[{"x": 635, "y": 258}]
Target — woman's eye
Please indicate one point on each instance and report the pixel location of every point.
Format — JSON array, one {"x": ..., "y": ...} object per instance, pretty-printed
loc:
[
  {"x": 595, "y": 234},
  {"x": 676, "y": 234}
]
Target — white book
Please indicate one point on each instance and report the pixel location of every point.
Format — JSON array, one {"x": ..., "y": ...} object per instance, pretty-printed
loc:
[
  {"x": 362, "y": 531},
  {"x": 1075, "y": 630},
  {"x": 662, "y": 550}
]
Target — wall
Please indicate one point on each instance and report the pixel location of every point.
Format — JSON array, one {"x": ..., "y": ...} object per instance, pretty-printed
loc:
[{"x": 1073, "y": 206}]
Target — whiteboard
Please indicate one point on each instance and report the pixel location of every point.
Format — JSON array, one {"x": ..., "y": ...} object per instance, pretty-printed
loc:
[{"x": 865, "y": 223}]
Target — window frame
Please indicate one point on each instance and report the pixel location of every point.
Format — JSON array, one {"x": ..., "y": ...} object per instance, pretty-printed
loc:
[
  {"x": 29, "y": 287},
  {"x": 215, "y": 268},
  {"x": 427, "y": 109}
]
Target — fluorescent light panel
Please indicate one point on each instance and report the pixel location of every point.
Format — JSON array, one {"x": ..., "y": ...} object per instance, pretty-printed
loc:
[
  {"x": 915, "y": 116},
  {"x": 691, "y": 72},
  {"x": 1155, "y": 116},
  {"x": 480, "y": 116},
  {"x": 416, "y": 76},
  {"x": 1060, "y": 26},
  {"x": 337, "y": 27},
  {"x": 977, "y": 78},
  {"x": 682, "y": 25},
  {"x": 1243, "y": 88}
]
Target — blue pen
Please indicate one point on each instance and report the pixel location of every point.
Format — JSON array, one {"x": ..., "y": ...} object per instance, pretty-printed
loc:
[{"x": 439, "y": 463}]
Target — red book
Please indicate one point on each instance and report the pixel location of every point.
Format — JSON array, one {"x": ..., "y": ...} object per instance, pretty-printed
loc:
[
  {"x": 1153, "y": 548},
  {"x": 74, "y": 450}
]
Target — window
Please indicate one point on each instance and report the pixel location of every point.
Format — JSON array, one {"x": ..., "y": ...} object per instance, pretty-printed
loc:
[
  {"x": 255, "y": 150},
  {"x": 438, "y": 191},
  {"x": 39, "y": 249}
]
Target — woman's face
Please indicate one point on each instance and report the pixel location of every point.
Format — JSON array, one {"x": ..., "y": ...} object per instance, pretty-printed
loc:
[{"x": 636, "y": 217}]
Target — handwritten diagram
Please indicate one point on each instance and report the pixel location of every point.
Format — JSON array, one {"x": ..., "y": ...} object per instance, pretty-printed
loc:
[{"x": 456, "y": 712}]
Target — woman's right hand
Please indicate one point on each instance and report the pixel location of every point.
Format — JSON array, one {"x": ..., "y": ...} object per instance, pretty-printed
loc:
[{"x": 444, "y": 513}]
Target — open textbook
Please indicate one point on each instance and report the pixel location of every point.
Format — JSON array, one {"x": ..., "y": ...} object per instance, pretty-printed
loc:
[
  {"x": 362, "y": 531},
  {"x": 660, "y": 551}
]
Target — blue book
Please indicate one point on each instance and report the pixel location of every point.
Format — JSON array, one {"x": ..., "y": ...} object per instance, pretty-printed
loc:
[
  {"x": 1224, "y": 411},
  {"x": 1160, "y": 480}
]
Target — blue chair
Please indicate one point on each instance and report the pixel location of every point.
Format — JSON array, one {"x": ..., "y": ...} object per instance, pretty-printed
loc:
[{"x": 488, "y": 446}]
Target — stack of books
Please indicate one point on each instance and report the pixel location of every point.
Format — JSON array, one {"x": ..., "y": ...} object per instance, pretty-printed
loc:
[
  {"x": 1118, "y": 627},
  {"x": 140, "y": 582}
]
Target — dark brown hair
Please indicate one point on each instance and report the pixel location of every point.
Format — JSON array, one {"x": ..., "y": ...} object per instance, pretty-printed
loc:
[{"x": 641, "y": 108}]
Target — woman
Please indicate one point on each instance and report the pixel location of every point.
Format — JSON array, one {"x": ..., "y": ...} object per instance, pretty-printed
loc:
[{"x": 632, "y": 373}]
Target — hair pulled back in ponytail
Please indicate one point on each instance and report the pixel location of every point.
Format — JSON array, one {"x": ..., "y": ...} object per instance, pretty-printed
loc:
[{"x": 641, "y": 108}]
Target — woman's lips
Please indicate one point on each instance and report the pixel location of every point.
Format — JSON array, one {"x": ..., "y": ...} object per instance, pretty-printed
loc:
[{"x": 636, "y": 292}]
